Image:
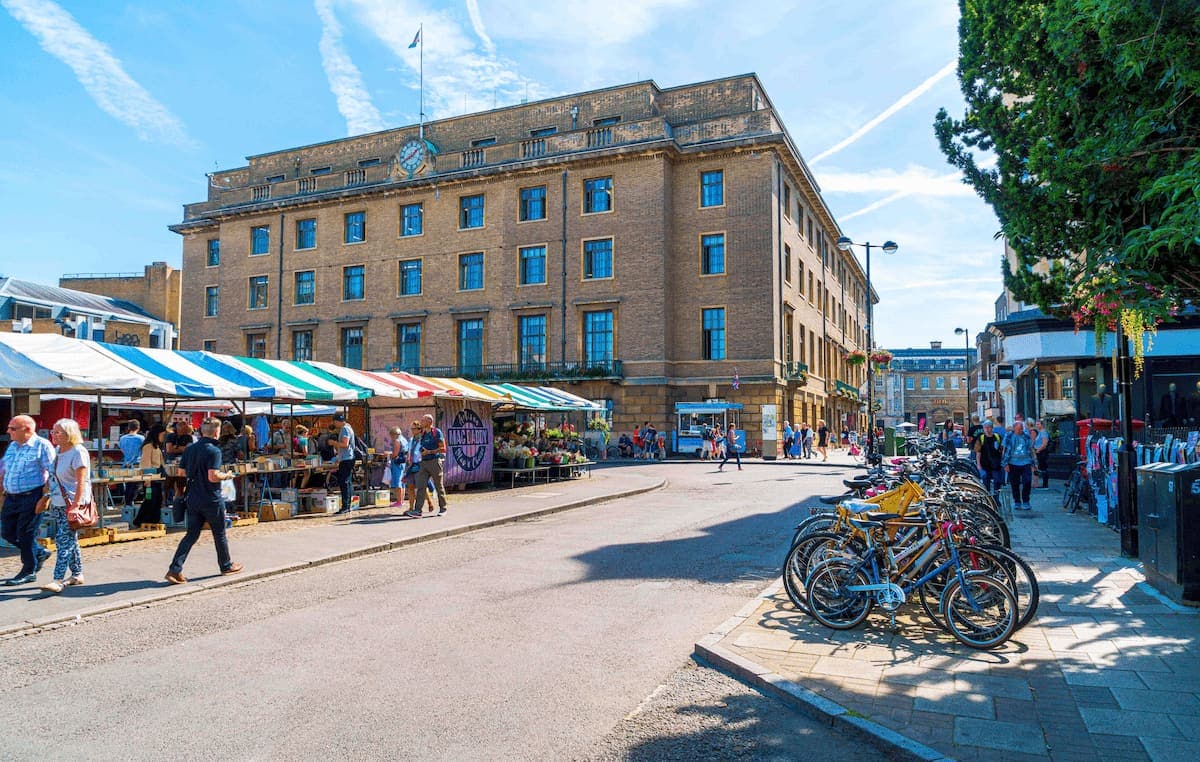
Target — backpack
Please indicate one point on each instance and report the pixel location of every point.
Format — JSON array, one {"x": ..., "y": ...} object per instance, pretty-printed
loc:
[{"x": 360, "y": 449}]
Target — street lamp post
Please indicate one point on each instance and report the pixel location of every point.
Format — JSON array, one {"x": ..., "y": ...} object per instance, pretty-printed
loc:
[
  {"x": 966, "y": 346},
  {"x": 889, "y": 247}
]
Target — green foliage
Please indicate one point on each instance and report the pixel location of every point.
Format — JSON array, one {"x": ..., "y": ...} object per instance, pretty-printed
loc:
[{"x": 1091, "y": 109}]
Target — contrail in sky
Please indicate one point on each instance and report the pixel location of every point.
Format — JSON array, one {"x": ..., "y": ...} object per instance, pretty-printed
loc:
[{"x": 888, "y": 112}]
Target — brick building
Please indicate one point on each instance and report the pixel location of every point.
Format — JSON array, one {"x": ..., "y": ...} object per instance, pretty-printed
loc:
[
  {"x": 38, "y": 308},
  {"x": 925, "y": 386},
  {"x": 641, "y": 245}
]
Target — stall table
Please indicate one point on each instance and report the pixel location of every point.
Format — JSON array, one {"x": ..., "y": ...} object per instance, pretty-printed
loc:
[
  {"x": 102, "y": 492},
  {"x": 549, "y": 471}
]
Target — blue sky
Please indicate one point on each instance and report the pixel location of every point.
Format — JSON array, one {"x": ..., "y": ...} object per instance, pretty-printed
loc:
[{"x": 115, "y": 110}]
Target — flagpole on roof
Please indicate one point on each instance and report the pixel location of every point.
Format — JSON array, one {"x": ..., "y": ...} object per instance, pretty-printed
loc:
[{"x": 419, "y": 42}]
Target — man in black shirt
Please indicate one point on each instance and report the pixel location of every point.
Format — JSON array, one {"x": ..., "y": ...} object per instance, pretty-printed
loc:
[
  {"x": 989, "y": 456},
  {"x": 202, "y": 463}
]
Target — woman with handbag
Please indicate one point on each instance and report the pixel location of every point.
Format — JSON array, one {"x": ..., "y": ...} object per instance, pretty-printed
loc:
[
  {"x": 152, "y": 458},
  {"x": 71, "y": 503}
]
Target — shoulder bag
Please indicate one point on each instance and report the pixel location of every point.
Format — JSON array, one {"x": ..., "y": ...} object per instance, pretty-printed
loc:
[{"x": 83, "y": 514}]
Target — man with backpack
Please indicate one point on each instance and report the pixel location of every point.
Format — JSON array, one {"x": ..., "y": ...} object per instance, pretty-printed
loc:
[
  {"x": 989, "y": 456},
  {"x": 432, "y": 451}
]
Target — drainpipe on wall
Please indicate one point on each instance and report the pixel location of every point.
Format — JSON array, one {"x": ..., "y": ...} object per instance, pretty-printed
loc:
[
  {"x": 279, "y": 298},
  {"x": 562, "y": 354}
]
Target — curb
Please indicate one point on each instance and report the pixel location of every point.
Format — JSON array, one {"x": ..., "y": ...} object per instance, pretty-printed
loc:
[
  {"x": 809, "y": 703},
  {"x": 159, "y": 595}
]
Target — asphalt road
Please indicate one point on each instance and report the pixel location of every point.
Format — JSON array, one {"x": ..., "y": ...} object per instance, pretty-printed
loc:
[{"x": 566, "y": 637}]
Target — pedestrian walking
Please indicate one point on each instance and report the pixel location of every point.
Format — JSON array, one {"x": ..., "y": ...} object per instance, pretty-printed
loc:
[
  {"x": 150, "y": 511},
  {"x": 397, "y": 463},
  {"x": 201, "y": 462},
  {"x": 823, "y": 439},
  {"x": 131, "y": 454},
  {"x": 787, "y": 440},
  {"x": 1018, "y": 460},
  {"x": 731, "y": 448},
  {"x": 1041, "y": 448},
  {"x": 70, "y": 486},
  {"x": 432, "y": 450},
  {"x": 706, "y": 442},
  {"x": 344, "y": 443},
  {"x": 26, "y": 464},
  {"x": 807, "y": 442},
  {"x": 989, "y": 457}
]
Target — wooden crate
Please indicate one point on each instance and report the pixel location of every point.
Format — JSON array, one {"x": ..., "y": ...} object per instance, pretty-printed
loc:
[
  {"x": 245, "y": 519},
  {"x": 95, "y": 536},
  {"x": 145, "y": 532}
]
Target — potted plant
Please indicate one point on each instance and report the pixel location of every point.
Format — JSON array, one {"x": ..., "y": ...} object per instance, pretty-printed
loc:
[
  {"x": 856, "y": 357},
  {"x": 881, "y": 357}
]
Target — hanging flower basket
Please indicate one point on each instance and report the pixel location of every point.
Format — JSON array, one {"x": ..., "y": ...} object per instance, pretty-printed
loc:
[
  {"x": 881, "y": 358},
  {"x": 857, "y": 357}
]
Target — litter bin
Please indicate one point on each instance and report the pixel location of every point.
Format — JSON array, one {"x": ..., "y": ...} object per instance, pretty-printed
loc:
[
  {"x": 889, "y": 441},
  {"x": 1169, "y": 528}
]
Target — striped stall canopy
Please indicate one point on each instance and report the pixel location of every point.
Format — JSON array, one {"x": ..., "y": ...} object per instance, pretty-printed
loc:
[
  {"x": 544, "y": 398},
  {"x": 190, "y": 379},
  {"x": 461, "y": 387},
  {"x": 308, "y": 384},
  {"x": 380, "y": 384},
  {"x": 50, "y": 362}
]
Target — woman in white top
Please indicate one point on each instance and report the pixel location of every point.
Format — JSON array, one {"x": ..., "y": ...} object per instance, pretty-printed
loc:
[{"x": 70, "y": 485}]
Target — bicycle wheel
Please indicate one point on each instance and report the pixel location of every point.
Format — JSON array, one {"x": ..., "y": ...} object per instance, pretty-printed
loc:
[
  {"x": 980, "y": 611},
  {"x": 1023, "y": 581},
  {"x": 819, "y": 523},
  {"x": 803, "y": 557},
  {"x": 984, "y": 522},
  {"x": 830, "y": 602},
  {"x": 1071, "y": 493}
]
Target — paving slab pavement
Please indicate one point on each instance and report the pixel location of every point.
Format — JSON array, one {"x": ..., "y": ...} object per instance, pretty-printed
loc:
[
  {"x": 122, "y": 575},
  {"x": 1109, "y": 669}
]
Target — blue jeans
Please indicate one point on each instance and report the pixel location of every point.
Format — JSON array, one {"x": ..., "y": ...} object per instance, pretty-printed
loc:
[
  {"x": 993, "y": 480},
  {"x": 197, "y": 514},
  {"x": 731, "y": 451},
  {"x": 18, "y": 526}
]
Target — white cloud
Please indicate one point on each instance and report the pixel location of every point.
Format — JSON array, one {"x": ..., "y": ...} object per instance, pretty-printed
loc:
[
  {"x": 584, "y": 24},
  {"x": 914, "y": 179},
  {"x": 345, "y": 80},
  {"x": 458, "y": 77},
  {"x": 98, "y": 70},
  {"x": 477, "y": 25},
  {"x": 890, "y": 111}
]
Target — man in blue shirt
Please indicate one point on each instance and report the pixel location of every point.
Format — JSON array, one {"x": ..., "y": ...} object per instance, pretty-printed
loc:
[
  {"x": 432, "y": 452},
  {"x": 345, "y": 459},
  {"x": 131, "y": 456},
  {"x": 26, "y": 465},
  {"x": 201, "y": 462}
]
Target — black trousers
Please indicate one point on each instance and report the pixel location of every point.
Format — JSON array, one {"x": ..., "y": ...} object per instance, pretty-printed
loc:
[
  {"x": 150, "y": 511},
  {"x": 345, "y": 473},
  {"x": 18, "y": 526},
  {"x": 197, "y": 514},
  {"x": 1043, "y": 458}
]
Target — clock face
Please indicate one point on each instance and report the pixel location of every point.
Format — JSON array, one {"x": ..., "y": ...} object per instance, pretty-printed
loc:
[{"x": 412, "y": 155}]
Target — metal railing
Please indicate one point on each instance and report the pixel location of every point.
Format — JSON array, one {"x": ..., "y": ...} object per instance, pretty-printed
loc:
[
  {"x": 547, "y": 371},
  {"x": 796, "y": 371}
]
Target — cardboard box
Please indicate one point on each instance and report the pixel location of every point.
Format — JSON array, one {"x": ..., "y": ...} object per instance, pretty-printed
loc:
[
  {"x": 274, "y": 511},
  {"x": 289, "y": 495}
]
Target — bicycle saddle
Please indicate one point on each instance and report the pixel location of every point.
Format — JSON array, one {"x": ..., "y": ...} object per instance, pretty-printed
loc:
[
  {"x": 857, "y": 483},
  {"x": 869, "y": 520},
  {"x": 834, "y": 499}
]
